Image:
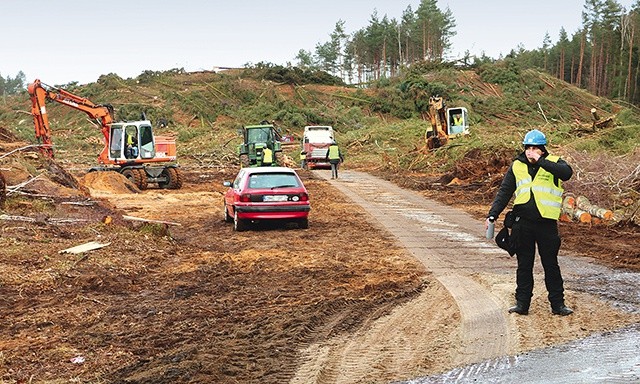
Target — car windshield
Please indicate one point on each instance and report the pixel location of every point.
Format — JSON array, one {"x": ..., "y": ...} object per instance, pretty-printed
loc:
[{"x": 273, "y": 180}]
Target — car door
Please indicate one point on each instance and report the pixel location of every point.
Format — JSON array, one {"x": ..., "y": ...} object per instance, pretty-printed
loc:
[{"x": 233, "y": 194}]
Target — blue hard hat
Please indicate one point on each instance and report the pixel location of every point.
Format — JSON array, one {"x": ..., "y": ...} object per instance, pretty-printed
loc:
[{"x": 534, "y": 137}]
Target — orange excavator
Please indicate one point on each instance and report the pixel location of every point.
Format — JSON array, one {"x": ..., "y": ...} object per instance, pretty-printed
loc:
[{"x": 130, "y": 147}]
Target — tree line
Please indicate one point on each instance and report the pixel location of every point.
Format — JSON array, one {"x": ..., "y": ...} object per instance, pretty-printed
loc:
[
  {"x": 603, "y": 56},
  {"x": 385, "y": 45},
  {"x": 12, "y": 86}
]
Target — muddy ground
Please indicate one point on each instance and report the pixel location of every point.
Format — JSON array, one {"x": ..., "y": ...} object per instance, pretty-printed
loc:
[{"x": 193, "y": 301}]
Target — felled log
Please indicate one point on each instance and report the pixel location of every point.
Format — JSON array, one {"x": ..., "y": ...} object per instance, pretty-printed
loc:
[
  {"x": 583, "y": 203},
  {"x": 581, "y": 216},
  {"x": 571, "y": 212}
]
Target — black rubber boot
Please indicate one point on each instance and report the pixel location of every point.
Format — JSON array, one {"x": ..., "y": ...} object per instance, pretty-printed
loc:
[
  {"x": 561, "y": 310},
  {"x": 520, "y": 308}
]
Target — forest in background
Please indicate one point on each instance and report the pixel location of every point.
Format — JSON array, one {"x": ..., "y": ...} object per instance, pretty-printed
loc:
[{"x": 603, "y": 56}]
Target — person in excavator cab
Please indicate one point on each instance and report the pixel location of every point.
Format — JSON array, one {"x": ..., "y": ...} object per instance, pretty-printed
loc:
[
  {"x": 132, "y": 146},
  {"x": 457, "y": 119}
]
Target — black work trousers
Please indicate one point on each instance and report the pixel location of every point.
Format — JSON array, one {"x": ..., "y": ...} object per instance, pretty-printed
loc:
[
  {"x": 334, "y": 168},
  {"x": 545, "y": 236}
]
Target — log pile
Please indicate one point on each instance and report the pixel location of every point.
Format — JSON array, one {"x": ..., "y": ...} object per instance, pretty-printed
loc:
[{"x": 581, "y": 210}]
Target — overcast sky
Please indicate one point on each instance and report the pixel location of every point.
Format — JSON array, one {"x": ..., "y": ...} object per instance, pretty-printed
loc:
[{"x": 72, "y": 40}]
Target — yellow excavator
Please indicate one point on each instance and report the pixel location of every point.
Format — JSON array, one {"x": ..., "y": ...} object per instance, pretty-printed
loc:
[{"x": 445, "y": 122}]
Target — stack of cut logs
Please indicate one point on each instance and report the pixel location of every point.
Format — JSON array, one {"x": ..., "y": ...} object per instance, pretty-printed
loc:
[{"x": 581, "y": 210}]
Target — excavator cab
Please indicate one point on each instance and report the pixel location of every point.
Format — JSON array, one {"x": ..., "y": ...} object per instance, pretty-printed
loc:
[
  {"x": 131, "y": 141},
  {"x": 458, "y": 121}
]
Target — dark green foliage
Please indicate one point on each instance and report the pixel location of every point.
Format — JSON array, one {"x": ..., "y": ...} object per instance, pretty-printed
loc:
[
  {"x": 502, "y": 72},
  {"x": 147, "y": 77},
  {"x": 291, "y": 75},
  {"x": 110, "y": 81}
]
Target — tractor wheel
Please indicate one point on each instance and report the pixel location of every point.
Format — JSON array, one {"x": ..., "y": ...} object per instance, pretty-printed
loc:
[
  {"x": 144, "y": 182},
  {"x": 244, "y": 161},
  {"x": 173, "y": 179},
  {"x": 239, "y": 225},
  {"x": 227, "y": 217},
  {"x": 133, "y": 176}
]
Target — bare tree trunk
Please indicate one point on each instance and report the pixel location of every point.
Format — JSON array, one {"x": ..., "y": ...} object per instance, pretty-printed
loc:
[
  {"x": 627, "y": 85},
  {"x": 602, "y": 71},
  {"x": 579, "y": 76},
  {"x": 573, "y": 63},
  {"x": 383, "y": 62},
  {"x": 424, "y": 40},
  {"x": 561, "y": 69}
]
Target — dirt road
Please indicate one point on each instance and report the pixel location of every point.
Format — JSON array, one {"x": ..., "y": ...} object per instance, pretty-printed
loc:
[
  {"x": 394, "y": 287},
  {"x": 479, "y": 277}
]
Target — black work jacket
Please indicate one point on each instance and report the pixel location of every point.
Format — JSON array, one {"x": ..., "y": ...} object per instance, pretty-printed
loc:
[{"x": 561, "y": 170}]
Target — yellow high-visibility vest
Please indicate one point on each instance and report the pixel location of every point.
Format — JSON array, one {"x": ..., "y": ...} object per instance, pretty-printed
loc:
[
  {"x": 267, "y": 156},
  {"x": 334, "y": 152},
  {"x": 548, "y": 195}
]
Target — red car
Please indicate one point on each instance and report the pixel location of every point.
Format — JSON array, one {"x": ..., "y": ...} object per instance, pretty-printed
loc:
[{"x": 266, "y": 193}]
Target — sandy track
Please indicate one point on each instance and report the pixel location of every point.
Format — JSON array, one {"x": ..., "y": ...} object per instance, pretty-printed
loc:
[{"x": 472, "y": 270}]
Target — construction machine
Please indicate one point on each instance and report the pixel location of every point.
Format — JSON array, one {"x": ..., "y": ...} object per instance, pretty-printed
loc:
[
  {"x": 256, "y": 138},
  {"x": 130, "y": 148},
  {"x": 445, "y": 122}
]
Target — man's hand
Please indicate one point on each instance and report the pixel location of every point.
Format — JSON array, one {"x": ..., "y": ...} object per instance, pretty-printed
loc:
[{"x": 533, "y": 154}]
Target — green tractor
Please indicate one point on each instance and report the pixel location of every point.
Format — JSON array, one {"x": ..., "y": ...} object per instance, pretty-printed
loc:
[{"x": 257, "y": 138}]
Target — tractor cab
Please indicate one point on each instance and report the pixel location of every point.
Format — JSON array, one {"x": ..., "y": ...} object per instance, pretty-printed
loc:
[
  {"x": 131, "y": 141},
  {"x": 257, "y": 138}
]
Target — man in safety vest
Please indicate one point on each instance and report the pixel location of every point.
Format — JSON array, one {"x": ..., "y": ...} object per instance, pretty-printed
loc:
[
  {"x": 267, "y": 157},
  {"x": 335, "y": 158},
  {"x": 535, "y": 180},
  {"x": 303, "y": 159},
  {"x": 131, "y": 148}
]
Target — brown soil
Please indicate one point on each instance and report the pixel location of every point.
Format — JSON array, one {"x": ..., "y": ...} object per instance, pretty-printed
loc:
[{"x": 198, "y": 302}]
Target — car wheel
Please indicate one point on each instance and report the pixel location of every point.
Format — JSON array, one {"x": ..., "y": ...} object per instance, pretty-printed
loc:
[
  {"x": 303, "y": 223},
  {"x": 227, "y": 217},
  {"x": 239, "y": 225}
]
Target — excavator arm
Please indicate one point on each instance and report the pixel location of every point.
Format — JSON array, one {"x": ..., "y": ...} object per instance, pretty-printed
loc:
[
  {"x": 40, "y": 93},
  {"x": 438, "y": 136}
]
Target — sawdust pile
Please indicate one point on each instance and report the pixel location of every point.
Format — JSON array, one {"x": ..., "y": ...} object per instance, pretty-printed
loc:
[{"x": 112, "y": 182}]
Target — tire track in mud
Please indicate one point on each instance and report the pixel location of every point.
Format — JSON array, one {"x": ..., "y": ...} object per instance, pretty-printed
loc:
[{"x": 451, "y": 245}]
